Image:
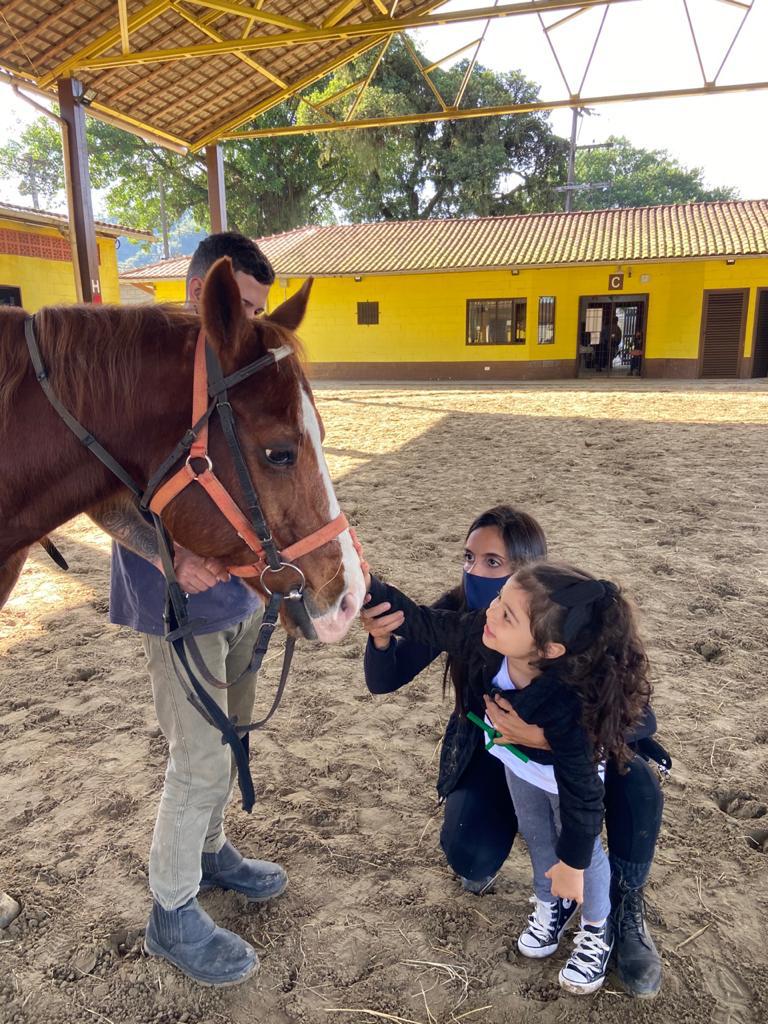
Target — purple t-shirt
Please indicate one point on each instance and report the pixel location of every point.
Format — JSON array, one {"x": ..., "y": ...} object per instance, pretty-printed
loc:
[{"x": 137, "y": 598}]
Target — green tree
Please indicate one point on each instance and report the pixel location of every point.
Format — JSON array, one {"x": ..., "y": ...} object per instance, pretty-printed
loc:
[
  {"x": 474, "y": 167},
  {"x": 272, "y": 184},
  {"x": 35, "y": 160},
  {"x": 639, "y": 177}
]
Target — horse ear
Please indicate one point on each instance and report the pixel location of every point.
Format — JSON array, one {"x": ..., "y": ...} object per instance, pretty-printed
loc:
[
  {"x": 221, "y": 306},
  {"x": 291, "y": 312}
]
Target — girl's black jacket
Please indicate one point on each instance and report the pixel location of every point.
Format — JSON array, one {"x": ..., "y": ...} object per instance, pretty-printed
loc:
[{"x": 546, "y": 702}]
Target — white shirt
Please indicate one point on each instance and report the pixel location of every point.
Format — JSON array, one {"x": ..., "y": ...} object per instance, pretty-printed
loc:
[{"x": 540, "y": 775}]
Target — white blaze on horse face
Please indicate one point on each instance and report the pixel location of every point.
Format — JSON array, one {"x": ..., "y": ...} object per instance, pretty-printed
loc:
[{"x": 335, "y": 623}]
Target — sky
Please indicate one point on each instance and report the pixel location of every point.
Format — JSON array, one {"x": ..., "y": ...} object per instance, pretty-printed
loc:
[{"x": 644, "y": 44}]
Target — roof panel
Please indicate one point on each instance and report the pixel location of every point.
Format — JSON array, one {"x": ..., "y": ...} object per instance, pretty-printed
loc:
[
  {"x": 683, "y": 231},
  {"x": 186, "y": 99}
]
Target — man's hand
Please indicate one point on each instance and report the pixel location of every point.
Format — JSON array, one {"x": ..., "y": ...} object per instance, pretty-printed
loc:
[
  {"x": 380, "y": 626},
  {"x": 196, "y": 574},
  {"x": 513, "y": 729},
  {"x": 567, "y": 882}
]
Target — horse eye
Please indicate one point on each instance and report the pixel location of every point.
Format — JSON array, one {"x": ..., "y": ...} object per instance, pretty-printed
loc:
[{"x": 280, "y": 456}]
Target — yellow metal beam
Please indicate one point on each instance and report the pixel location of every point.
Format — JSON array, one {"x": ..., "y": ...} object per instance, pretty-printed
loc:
[
  {"x": 341, "y": 93},
  {"x": 105, "y": 42},
  {"x": 136, "y": 127},
  {"x": 471, "y": 66},
  {"x": 272, "y": 101},
  {"x": 450, "y": 56},
  {"x": 415, "y": 58},
  {"x": 367, "y": 80},
  {"x": 340, "y": 12},
  {"x": 371, "y": 27},
  {"x": 122, "y": 15},
  {"x": 259, "y": 14},
  {"x": 517, "y": 108},
  {"x": 254, "y": 65},
  {"x": 205, "y": 28}
]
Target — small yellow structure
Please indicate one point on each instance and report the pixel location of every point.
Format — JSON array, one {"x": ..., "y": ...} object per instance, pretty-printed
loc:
[
  {"x": 36, "y": 258},
  {"x": 664, "y": 291}
]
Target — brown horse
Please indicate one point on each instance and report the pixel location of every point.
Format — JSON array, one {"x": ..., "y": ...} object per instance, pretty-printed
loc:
[{"x": 126, "y": 375}]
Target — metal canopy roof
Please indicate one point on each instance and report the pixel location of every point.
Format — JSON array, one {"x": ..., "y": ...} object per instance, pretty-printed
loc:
[{"x": 187, "y": 73}]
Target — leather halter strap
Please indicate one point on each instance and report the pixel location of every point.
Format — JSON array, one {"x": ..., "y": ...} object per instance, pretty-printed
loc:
[{"x": 216, "y": 491}]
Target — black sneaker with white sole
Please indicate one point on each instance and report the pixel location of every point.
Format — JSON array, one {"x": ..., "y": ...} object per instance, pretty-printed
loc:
[
  {"x": 587, "y": 965},
  {"x": 545, "y": 927}
]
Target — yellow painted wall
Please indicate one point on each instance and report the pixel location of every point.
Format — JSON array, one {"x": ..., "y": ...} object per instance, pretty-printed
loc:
[
  {"x": 45, "y": 282},
  {"x": 170, "y": 291},
  {"x": 422, "y": 317}
]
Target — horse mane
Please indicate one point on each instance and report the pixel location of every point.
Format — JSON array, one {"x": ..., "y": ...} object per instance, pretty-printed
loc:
[{"x": 93, "y": 352}]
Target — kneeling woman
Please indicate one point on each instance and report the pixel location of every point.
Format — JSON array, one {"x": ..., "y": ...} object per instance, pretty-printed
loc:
[{"x": 479, "y": 823}]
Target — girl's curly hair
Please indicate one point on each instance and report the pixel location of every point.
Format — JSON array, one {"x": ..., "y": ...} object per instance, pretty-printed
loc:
[{"x": 604, "y": 659}]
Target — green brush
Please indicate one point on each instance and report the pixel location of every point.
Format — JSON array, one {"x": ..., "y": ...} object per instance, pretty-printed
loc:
[{"x": 492, "y": 733}]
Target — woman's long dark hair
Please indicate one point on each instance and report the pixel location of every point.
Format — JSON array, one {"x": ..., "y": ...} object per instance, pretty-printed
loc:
[
  {"x": 604, "y": 660},
  {"x": 524, "y": 542}
]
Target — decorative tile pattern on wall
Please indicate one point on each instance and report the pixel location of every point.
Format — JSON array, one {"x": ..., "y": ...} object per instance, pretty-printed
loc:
[{"x": 26, "y": 243}]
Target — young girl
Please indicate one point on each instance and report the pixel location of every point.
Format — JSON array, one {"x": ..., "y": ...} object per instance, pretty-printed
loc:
[{"x": 564, "y": 649}]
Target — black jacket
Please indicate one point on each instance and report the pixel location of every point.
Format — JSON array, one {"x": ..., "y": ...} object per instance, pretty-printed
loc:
[{"x": 546, "y": 702}]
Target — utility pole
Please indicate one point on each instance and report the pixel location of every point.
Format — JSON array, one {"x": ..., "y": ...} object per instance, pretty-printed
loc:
[
  {"x": 32, "y": 171},
  {"x": 164, "y": 221},
  {"x": 572, "y": 159},
  {"x": 571, "y": 185}
]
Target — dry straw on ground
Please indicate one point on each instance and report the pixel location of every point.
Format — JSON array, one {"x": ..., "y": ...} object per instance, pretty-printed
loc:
[{"x": 663, "y": 488}]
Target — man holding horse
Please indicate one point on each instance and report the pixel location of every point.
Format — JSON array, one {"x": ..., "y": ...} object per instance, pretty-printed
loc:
[{"x": 190, "y": 852}]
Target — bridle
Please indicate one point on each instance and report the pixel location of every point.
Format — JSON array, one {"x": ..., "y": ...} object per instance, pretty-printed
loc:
[{"x": 210, "y": 394}]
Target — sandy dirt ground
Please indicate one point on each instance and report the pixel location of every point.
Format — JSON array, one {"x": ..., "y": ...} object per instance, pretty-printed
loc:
[{"x": 663, "y": 487}]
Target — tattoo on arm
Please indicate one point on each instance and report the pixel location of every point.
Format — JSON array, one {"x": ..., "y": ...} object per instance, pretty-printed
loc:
[{"x": 125, "y": 524}]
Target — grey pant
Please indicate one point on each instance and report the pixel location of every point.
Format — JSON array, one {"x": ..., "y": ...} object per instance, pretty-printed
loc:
[
  {"x": 201, "y": 770},
  {"x": 538, "y": 817}
]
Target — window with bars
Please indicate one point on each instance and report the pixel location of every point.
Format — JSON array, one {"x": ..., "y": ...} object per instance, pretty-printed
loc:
[
  {"x": 546, "y": 319},
  {"x": 367, "y": 312},
  {"x": 496, "y": 321}
]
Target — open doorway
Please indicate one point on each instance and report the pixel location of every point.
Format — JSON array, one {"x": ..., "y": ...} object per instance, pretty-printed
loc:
[
  {"x": 612, "y": 335},
  {"x": 760, "y": 344}
]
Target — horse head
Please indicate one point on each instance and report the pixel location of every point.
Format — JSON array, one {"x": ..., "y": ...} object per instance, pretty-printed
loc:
[{"x": 280, "y": 434}]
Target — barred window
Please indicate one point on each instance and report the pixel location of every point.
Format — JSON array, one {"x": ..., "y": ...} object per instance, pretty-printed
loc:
[
  {"x": 367, "y": 312},
  {"x": 496, "y": 321},
  {"x": 546, "y": 319}
]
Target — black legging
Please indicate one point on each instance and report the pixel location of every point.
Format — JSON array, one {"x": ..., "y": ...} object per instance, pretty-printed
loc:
[{"x": 479, "y": 824}]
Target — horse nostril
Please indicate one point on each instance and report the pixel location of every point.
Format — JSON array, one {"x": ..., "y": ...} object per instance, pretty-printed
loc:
[{"x": 348, "y": 605}]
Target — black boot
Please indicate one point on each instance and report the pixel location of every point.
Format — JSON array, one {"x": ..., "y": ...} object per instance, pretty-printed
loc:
[{"x": 637, "y": 960}]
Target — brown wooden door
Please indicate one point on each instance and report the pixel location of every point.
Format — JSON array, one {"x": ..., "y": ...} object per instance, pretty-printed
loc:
[{"x": 723, "y": 333}]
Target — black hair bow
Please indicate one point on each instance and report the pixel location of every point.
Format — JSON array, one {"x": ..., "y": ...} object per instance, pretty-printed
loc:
[{"x": 583, "y": 599}]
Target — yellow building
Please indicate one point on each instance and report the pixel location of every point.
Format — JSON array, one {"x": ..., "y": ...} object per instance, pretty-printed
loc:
[
  {"x": 36, "y": 258},
  {"x": 665, "y": 291}
]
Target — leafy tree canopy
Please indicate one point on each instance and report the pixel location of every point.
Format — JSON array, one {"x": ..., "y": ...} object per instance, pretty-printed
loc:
[
  {"x": 473, "y": 167},
  {"x": 639, "y": 177}
]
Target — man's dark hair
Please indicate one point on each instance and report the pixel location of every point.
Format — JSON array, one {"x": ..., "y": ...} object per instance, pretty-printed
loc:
[{"x": 246, "y": 257}]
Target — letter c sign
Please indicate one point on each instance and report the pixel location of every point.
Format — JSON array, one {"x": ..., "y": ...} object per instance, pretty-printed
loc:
[{"x": 615, "y": 282}]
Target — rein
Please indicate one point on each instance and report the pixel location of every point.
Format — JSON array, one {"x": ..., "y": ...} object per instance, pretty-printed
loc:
[{"x": 209, "y": 395}]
